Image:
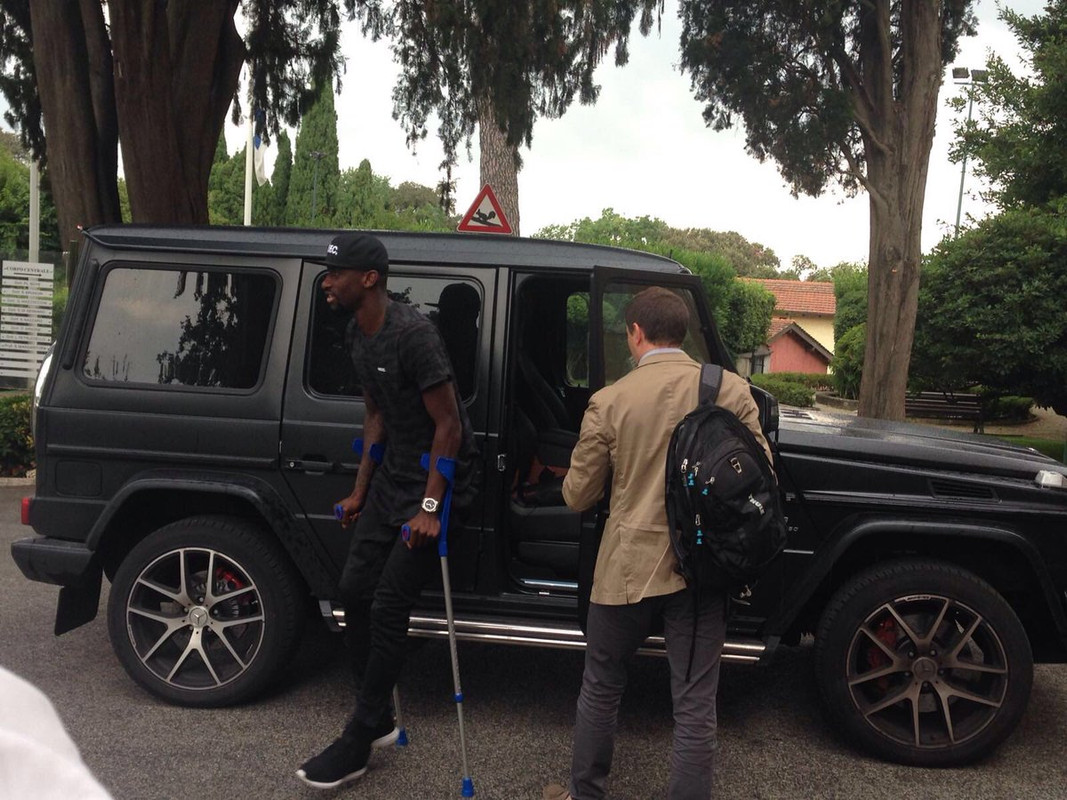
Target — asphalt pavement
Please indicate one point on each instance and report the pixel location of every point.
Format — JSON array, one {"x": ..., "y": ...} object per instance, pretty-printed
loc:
[{"x": 774, "y": 741}]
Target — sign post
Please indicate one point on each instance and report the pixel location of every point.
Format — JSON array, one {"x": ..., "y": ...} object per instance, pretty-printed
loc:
[
  {"x": 25, "y": 317},
  {"x": 485, "y": 215}
]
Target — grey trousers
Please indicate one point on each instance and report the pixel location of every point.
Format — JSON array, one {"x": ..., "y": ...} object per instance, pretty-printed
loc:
[{"x": 614, "y": 634}]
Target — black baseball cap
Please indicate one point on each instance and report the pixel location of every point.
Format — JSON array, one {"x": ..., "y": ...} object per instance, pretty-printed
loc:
[{"x": 357, "y": 251}]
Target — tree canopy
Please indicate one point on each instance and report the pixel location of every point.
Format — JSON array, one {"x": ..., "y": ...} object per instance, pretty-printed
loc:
[
  {"x": 1016, "y": 138},
  {"x": 846, "y": 93},
  {"x": 991, "y": 308},
  {"x": 501, "y": 66},
  {"x": 159, "y": 77},
  {"x": 15, "y": 201}
]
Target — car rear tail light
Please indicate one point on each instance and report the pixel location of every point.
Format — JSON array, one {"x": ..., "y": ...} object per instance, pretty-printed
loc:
[{"x": 26, "y": 503}]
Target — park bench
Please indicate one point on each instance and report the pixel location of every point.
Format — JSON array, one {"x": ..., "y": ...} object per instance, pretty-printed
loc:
[{"x": 961, "y": 406}]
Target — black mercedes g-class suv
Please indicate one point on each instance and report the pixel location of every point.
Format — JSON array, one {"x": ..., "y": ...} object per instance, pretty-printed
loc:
[{"x": 194, "y": 427}]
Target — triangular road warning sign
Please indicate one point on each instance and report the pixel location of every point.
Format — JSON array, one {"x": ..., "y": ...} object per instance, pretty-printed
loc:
[{"x": 485, "y": 215}]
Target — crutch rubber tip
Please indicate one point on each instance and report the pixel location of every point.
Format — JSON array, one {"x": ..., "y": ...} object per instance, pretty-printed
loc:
[
  {"x": 468, "y": 788},
  {"x": 402, "y": 739}
]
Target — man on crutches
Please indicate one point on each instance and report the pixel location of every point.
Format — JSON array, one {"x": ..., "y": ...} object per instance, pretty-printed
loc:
[{"x": 413, "y": 405}]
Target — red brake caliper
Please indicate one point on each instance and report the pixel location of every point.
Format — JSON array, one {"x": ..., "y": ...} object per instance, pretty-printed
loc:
[{"x": 887, "y": 634}]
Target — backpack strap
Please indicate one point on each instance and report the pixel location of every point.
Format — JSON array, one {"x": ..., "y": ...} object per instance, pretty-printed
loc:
[{"x": 710, "y": 382}]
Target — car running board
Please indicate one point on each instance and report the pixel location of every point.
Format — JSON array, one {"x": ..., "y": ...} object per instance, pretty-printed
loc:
[{"x": 548, "y": 634}]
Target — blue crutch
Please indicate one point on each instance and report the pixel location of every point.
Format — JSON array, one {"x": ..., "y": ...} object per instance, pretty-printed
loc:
[
  {"x": 377, "y": 453},
  {"x": 447, "y": 468}
]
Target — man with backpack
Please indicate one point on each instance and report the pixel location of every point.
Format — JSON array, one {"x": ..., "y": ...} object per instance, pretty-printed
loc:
[{"x": 637, "y": 583}]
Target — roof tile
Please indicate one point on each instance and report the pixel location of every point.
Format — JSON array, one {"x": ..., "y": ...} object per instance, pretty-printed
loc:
[{"x": 800, "y": 297}]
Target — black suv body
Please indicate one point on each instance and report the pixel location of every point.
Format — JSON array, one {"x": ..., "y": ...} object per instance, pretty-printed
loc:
[{"x": 194, "y": 428}]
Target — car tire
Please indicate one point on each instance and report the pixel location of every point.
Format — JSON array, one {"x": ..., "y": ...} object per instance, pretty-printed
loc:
[
  {"x": 196, "y": 642},
  {"x": 922, "y": 663}
]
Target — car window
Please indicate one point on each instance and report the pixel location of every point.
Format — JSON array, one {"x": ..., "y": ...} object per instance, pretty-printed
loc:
[
  {"x": 454, "y": 305},
  {"x": 204, "y": 328},
  {"x": 617, "y": 360}
]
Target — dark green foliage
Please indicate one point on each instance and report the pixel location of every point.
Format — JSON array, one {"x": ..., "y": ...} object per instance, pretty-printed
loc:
[
  {"x": 813, "y": 380},
  {"x": 1008, "y": 407},
  {"x": 743, "y": 315},
  {"x": 991, "y": 308},
  {"x": 787, "y": 392},
  {"x": 526, "y": 59},
  {"x": 1020, "y": 123},
  {"x": 850, "y": 292},
  {"x": 312, "y": 198},
  {"x": 748, "y": 259},
  {"x": 794, "y": 74},
  {"x": 847, "y": 362},
  {"x": 279, "y": 180},
  {"x": 16, "y": 441},
  {"x": 15, "y": 200}
]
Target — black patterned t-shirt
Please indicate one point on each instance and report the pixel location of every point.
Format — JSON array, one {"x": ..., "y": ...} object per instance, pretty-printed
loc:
[{"x": 404, "y": 358}]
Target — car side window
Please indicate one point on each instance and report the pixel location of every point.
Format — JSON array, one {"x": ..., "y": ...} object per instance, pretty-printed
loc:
[
  {"x": 203, "y": 328},
  {"x": 454, "y": 305}
]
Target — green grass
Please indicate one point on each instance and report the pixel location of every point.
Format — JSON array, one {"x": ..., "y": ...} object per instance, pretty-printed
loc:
[{"x": 1050, "y": 447}]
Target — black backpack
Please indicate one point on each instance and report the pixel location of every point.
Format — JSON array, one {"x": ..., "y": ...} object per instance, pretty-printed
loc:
[{"x": 723, "y": 505}]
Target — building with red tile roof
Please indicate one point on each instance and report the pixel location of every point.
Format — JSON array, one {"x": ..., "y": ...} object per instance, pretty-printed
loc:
[{"x": 801, "y": 334}]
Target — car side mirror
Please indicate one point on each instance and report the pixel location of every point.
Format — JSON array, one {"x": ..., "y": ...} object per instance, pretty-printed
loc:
[{"x": 768, "y": 409}]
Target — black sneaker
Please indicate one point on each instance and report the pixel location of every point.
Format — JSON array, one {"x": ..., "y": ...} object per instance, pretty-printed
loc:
[{"x": 343, "y": 761}]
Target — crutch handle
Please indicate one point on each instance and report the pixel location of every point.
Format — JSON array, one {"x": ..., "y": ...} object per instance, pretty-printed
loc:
[
  {"x": 377, "y": 450},
  {"x": 447, "y": 467}
]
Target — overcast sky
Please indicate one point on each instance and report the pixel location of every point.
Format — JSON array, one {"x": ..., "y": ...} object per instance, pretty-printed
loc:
[{"x": 644, "y": 149}]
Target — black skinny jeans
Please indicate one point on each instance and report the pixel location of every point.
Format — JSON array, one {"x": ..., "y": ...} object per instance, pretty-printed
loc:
[{"x": 381, "y": 582}]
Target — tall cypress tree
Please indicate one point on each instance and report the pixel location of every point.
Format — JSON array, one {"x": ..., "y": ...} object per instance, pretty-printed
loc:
[
  {"x": 312, "y": 199},
  {"x": 279, "y": 180}
]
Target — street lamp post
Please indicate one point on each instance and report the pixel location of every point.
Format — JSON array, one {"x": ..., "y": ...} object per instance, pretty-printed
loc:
[
  {"x": 965, "y": 77},
  {"x": 317, "y": 155}
]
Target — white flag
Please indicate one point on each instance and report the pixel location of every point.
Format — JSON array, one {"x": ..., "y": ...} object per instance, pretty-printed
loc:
[{"x": 257, "y": 159}]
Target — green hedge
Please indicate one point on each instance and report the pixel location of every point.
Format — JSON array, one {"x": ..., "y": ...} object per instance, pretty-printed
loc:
[
  {"x": 819, "y": 381},
  {"x": 16, "y": 441},
  {"x": 1009, "y": 407},
  {"x": 788, "y": 392}
]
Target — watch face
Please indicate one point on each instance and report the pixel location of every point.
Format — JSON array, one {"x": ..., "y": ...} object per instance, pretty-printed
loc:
[{"x": 429, "y": 505}]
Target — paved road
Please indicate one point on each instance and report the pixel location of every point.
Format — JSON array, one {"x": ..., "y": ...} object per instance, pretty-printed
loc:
[{"x": 520, "y": 703}]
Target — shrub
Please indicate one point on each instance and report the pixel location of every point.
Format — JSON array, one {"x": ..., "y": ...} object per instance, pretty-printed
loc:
[
  {"x": 813, "y": 380},
  {"x": 1008, "y": 407},
  {"x": 848, "y": 361},
  {"x": 788, "y": 392},
  {"x": 16, "y": 441}
]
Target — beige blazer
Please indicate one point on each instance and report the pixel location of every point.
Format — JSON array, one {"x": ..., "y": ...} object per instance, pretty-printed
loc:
[{"x": 626, "y": 428}]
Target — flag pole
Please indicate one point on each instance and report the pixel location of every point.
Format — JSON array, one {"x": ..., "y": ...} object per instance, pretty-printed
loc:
[{"x": 248, "y": 170}]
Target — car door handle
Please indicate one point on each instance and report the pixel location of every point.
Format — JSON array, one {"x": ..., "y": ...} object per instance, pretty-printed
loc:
[{"x": 315, "y": 465}]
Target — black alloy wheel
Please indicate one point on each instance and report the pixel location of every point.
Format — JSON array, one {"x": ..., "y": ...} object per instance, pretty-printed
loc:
[
  {"x": 923, "y": 663},
  {"x": 205, "y": 611}
]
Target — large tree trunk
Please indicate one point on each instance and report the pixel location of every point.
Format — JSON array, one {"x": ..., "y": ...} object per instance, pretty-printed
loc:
[
  {"x": 176, "y": 69},
  {"x": 500, "y": 164},
  {"x": 72, "y": 62},
  {"x": 898, "y": 157}
]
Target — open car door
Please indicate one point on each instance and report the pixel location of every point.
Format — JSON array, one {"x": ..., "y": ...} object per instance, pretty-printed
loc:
[{"x": 612, "y": 289}]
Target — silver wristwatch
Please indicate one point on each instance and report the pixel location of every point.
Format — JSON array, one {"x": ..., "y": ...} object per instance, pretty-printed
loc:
[{"x": 429, "y": 505}]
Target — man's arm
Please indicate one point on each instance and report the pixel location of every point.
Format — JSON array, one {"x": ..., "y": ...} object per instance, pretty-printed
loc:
[
  {"x": 441, "y": 405},
  {"x": 590, "y": 462},
  {"x": 373, "y": 433}
]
